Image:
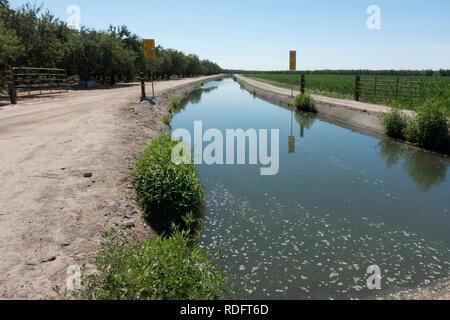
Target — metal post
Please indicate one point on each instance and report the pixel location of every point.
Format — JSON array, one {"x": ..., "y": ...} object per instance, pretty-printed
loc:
[
  {"x": 357, "y": 87},
  {"x": 40, "y": 81},
  {"x": 292, "y": 84},
  {"x": 302, "y": 84},
  {"x": 153, "y": 88},
  {"x": 49, "y": 77},
  {"x": 27, "y": 72},
  {"x": 11, "y": 85},
  {"x": 375, "y": 88},
  {"x": 142, "y": 86},
  {"x": 396, "y": 89}
]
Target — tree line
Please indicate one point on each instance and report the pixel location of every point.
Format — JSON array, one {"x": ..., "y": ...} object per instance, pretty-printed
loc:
[
  {"x": 361, "y": 72},
  {"x": 31, "y": 37}
]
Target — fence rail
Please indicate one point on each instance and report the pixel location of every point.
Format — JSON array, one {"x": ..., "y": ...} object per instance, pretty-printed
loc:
[
  {"x": 26, "y": 81},
  {"x": 388, "y": 88}
]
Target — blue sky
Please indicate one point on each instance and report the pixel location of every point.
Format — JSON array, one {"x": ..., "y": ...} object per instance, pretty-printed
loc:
[{"x": 258, "y": 34}]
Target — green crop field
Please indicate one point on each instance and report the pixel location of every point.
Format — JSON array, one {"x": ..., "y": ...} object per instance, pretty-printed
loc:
[{"x": 343, "y": 86}]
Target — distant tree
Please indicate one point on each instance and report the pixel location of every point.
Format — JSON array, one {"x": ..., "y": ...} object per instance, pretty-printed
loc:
[
  {"x": 30, "y": 37},
  {"x": 10, "y": 45}
]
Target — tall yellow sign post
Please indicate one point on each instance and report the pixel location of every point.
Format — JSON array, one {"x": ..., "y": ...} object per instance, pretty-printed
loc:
[
  {"x": 149, "y": 49},
  {"x": 149, "y": 53},
  {"x": 292, "y": 60},
  {"x": 292, "y": 66}
]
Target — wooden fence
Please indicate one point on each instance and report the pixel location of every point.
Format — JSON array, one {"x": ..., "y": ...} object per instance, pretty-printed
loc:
[
  {"x": 388, "y": 88},
  {"x": 25, "y": 81}
]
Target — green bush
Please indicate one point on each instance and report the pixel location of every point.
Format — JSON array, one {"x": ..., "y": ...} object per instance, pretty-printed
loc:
[
  {"x": 394, "y": 123},
  {"x": 167, "y": 119},
  {"x": 411, "y": 132},
  {"x": 305, "y": 102},
  {"x": 162, "y": 268},
  {"x": 174, "y": 102},
  {"x": 429, "y": 128},
  {"x": 166, "y": 191}
]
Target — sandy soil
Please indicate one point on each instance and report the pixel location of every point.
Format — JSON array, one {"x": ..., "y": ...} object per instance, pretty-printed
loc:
[{"x": 65, "y": 165}]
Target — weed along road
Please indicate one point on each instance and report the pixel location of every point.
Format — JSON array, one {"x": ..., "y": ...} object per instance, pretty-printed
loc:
[{"x": 65, "y": 166}]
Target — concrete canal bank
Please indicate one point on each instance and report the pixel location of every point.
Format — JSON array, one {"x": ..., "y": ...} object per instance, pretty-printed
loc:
[{"x": 354, "y": 115}]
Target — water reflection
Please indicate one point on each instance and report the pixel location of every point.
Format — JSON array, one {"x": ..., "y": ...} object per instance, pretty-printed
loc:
[
  {"x": 304, "y": 120},
  {"x": 194, "y": 97},
  {"x": 291, "y": 139},
  {"x": 425, "y": 169}
]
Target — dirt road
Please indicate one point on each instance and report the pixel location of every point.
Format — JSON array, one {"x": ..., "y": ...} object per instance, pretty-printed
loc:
[{"x": 65, "y": 164}]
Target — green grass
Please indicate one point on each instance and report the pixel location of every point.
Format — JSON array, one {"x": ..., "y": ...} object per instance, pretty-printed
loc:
[
  {"x": 167, "y": 191},
  {"x": 428, "y": 128},
  {"x": 167, "y": 119},
  {"x": 162, "y": 268},
  {"x": 394, "y": 123},
  {"x": 304, "y": 102},
  {"x": 174, "y": 102},
  {"x": 342, "y": 86}
]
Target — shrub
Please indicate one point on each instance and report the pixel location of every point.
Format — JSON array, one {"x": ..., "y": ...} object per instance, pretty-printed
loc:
[
  {"x": 305, "y": 102},
  {"x": 167, "y": 119},
  {"x": 174, "y": 102},
  {"x": 411, "y": 132},
  {"x": 394, "y": 123},
  {"x": 162, "y": 268},
  {"x": 429, "y": 128},
  {"x": 166, "y": 191}
]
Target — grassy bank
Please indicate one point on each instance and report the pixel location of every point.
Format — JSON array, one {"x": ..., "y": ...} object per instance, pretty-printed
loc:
[
  {"x": 342, "y": 86},
  {"x": 162, "y": 268},
  {"x": 427, "y": 128},
  {"x": 171, "y": 265},
  {"x": 167, "y": 191}
]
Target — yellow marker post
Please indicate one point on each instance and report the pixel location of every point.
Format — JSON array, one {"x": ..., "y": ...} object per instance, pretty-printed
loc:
[
  {"x": 149, "y": 49},
  {"x": 292, "y": 66},
  {"x": 292, "y": 60},
  {"x": 150, "y": 53}
]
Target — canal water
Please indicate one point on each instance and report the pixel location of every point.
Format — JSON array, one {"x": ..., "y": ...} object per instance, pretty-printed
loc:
[{"x": 340, "y": 203}]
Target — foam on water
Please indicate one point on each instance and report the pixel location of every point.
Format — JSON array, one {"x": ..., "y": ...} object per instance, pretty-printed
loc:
[{"x": 293, "y": 252}]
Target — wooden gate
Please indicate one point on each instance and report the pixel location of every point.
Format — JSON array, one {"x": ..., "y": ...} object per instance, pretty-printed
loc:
[{"x": 388, "y": 88}]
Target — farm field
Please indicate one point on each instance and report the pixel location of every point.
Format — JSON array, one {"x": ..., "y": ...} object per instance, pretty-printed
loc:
[{"x": 342, "y": 86}]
